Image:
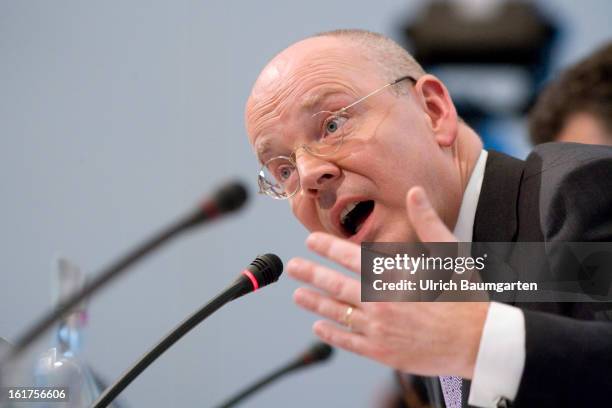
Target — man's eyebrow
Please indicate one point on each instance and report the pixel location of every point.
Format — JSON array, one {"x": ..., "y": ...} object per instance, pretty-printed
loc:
[
  {"x": 263, "y": 148},
  {"x": 313, "y": 100}
]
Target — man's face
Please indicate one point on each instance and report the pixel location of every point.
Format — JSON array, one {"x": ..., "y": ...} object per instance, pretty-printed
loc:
[{"x": 388, "y": 148}]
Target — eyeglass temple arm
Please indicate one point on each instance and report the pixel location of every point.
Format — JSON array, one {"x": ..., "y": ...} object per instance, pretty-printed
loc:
[{"x": 377, "y": 91}]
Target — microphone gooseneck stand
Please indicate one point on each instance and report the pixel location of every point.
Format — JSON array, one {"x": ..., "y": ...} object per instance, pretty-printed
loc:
[
  {"x": 265, "y": 269},
  {"x": 112, "y": 391},
  {"x": 319, "y": 352}
]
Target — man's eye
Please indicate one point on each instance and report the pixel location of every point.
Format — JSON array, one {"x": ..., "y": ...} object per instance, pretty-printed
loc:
[
  {"x": 333, "y": 124},
  {"x": 284, "y": 172}
]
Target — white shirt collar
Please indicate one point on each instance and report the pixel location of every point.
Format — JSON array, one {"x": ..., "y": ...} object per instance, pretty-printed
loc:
[{"x": 465, "y": 221}]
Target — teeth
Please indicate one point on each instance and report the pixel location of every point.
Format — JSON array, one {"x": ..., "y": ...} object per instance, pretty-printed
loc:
[{"x": 347, "y": 210}]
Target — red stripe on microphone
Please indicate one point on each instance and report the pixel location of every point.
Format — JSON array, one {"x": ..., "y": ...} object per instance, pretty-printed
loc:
[
  {"x": 210, "y": 209},
  {"x": 249, "y": 275}
]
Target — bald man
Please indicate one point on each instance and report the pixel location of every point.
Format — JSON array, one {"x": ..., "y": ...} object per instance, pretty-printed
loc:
[{"x": 365, "y": 146}]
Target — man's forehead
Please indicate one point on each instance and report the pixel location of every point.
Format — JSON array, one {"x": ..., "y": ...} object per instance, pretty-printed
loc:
[{"x": 302, "y": 60}]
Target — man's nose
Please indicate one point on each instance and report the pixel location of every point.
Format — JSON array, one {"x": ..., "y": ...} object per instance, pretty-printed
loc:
[{"x": 316, "y": 173}]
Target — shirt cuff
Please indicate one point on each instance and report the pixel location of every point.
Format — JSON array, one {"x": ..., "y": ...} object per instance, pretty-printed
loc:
[{"x": 501, "y": 356}]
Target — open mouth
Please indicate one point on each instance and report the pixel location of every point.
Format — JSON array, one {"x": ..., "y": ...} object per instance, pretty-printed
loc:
[{"x": 354, "y": 215}]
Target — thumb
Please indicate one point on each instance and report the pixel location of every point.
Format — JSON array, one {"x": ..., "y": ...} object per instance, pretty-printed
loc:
[{"x": 426, "y": 222}]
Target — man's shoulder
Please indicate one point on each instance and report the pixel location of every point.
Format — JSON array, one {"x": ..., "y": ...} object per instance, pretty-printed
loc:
[
  {"x": 561, "y": 191},
  {"x": 558, "y": 159},
  {"x": 572, "y": 184}
]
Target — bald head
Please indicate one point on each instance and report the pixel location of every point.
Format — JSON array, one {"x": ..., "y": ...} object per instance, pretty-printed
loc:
[
  {"x": 352, "y": 50},
  {"x": 392, "y": 61}
]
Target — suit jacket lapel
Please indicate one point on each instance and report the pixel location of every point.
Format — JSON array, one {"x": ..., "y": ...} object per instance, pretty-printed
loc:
[{"x": 496, "y": 213}]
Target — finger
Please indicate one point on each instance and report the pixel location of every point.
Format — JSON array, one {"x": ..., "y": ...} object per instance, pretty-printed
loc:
[
  {"x": 334, "y": 283},
  {"x": 346, "y": 340},
  {"x": 327, "y": 307},
  {"x": 428, "y": 225},
  {"x": 336, "y": 249}
]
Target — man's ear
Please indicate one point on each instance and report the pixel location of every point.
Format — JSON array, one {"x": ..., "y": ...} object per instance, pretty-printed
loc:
[{"x": 439, "y": 108}]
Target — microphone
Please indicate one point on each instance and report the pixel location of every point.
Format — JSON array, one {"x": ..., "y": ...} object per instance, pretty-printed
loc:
[
  {"x": 317, "y": 353},
  {"x": 265, "y": 269},
  {"x": 225, "y": 200}
]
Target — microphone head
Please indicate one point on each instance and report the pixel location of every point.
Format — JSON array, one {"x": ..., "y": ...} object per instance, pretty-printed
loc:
[
  {"x": 230, "y": 197},
  {"x": 317, "y": 352},
  {"x": 266, "y": 269}
]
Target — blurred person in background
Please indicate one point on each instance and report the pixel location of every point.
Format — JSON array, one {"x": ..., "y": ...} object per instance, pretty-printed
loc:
[{"x": 577, "y": 106}]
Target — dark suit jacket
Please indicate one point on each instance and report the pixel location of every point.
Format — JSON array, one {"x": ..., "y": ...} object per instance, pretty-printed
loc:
[{"x": 561, "y": 192}]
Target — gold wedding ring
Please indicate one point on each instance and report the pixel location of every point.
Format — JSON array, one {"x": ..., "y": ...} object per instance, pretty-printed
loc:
[{"x": 346, "y": 319}]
